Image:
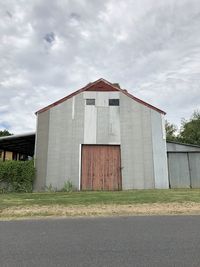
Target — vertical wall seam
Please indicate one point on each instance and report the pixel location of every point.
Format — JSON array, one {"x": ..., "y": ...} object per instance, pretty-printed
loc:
[
  {"x": 189, "y": 168},
  {"x": 152, "y": 143},
  {"x": 169, "y": 177},
  {"x": 36, "y": 139}
]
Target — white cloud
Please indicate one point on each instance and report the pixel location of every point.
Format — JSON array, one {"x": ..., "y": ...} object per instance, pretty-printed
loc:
[{"x": 48, "y": 49}]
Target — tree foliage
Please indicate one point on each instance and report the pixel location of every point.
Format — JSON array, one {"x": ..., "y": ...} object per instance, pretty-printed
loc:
[
  {"x": 171, "y": 130},
  {"x": 5, "y": 133},
  {"x": 190, "y": 130}
]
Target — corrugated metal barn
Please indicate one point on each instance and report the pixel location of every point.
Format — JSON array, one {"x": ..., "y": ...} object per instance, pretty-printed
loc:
[{"x": 101, "y": 138}]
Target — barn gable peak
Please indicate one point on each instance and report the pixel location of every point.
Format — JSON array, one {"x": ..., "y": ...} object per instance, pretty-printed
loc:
[{"x": 100, "y": 85}]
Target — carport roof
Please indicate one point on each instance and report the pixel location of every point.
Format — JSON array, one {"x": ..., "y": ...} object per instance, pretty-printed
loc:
[{"x": 22, "y": 143}]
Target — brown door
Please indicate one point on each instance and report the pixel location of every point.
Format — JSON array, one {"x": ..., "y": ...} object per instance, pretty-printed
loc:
[{"x": 101, "y": 168}]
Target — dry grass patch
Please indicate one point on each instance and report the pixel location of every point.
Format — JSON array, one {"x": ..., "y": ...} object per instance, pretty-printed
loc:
[{"x": 189, "y": 208}]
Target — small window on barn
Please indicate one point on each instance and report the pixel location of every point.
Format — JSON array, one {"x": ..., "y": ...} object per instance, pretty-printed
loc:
[
  {"x": 113, "y": 102},
  {"x": 90, "y": 101}
]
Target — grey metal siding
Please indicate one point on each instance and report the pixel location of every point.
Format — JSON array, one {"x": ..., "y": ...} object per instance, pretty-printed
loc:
[
  {"x": 159, "y": 151},
  {"x": 149, "y": 181},
  {"x": 66, "y": 133},
  {"x": 108, "y": 125},
  {"x": 194, "y": 167},
  {"x": 42, "y": 137},
  {"x": 179, "y": 175},
  {"x": 77, "y": 138},
  {"x": 136, "y": 145},
  {"x": 183, "y": 165}
]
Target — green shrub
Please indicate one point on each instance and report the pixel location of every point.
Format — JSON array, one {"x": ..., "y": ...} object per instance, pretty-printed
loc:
[{"x": 16, "y": 176}]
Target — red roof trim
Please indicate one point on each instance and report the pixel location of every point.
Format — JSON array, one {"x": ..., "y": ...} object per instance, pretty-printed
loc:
[{"x": 91, "y": 87}]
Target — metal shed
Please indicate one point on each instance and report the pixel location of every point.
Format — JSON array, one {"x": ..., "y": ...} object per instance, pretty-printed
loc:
[{"x": 183, "y": 165}]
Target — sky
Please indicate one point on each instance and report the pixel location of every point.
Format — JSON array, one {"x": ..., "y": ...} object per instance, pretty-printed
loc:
[{"x": 49, "y": 49}]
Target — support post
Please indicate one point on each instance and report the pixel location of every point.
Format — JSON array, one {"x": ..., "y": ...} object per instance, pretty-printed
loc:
[{"x": 4, "y": 155}]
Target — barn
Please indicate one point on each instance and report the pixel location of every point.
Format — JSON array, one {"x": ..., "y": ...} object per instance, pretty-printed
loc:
[{"x": 101, "y": 138}]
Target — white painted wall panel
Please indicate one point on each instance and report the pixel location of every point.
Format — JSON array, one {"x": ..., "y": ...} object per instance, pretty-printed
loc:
[
  {"x": 102, "y": 122},
  {"x": 89, "y": 94},
  {"x": 102, "y": 125},
  {"x": 90, "y": 125},
  {"x": 114, "y": 125},
  {"x": 114, "y": 95},
  {"x": 102, "y": 99}
]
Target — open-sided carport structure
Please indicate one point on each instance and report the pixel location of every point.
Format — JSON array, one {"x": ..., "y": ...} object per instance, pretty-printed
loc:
[{"x": 23, "y": 144}]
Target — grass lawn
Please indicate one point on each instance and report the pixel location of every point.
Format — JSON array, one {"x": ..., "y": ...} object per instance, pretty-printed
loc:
[
  {"x": 88, "y": 198},
  {"x": 45, "y": 203}
]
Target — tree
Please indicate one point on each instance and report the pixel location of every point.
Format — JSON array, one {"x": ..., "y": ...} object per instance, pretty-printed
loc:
[
  {"x": 5, "y": 133},
  {"x": 190, "y": 130},
  {"x": 170, "y": 131}
]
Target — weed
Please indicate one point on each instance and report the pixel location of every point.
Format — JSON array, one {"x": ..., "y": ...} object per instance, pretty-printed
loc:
[{"x": 68, "y": 187}]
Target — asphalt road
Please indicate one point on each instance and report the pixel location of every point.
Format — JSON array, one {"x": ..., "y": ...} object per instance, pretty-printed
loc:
[{"x": 123, "y": 241}]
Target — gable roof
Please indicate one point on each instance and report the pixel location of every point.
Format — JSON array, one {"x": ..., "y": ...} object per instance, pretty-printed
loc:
[{"x": 100, "y": 85}]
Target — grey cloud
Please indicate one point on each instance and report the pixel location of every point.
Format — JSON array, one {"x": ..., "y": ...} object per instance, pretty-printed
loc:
[
  {"x": 50, "y": 37},
  {"x": 75, "y": 16},
  {"x": 50, "y": 48},
  {"x": 9, "y": 14}
]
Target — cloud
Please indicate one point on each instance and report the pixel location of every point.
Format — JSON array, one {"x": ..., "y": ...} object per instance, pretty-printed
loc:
[{"x": 49, "y": 49}]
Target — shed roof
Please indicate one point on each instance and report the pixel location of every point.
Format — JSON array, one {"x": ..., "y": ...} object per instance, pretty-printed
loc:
[
  {"x": 181, "y": 147},
  {"x": 103, "y": 86}
]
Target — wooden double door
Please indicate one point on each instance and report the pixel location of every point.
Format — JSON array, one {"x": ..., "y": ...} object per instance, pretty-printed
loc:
[{"x": 101, "y": 167}]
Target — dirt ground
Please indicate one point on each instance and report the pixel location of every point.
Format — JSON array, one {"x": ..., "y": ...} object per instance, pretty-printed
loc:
[{"x": 189, "y": 208}]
